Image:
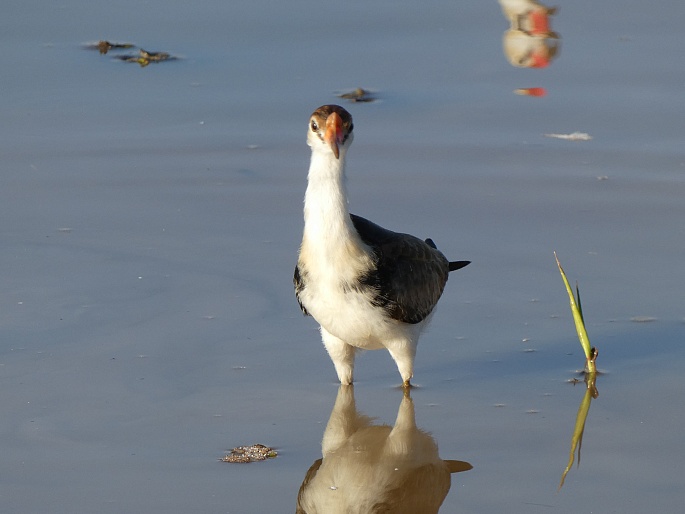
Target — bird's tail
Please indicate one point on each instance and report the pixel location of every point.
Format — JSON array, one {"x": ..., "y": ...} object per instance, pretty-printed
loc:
[{"x": 455, "y": 265}]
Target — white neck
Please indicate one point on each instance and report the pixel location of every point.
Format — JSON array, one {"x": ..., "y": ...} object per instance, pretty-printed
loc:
[
  {"x": 329, "y": 235},
  {"x": 325, "y": 203}
]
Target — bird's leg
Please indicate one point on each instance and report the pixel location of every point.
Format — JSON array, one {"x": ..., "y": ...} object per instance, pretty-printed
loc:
[
  {"x": 342, "y": 355},
  {"x": 403, "y": 352}
]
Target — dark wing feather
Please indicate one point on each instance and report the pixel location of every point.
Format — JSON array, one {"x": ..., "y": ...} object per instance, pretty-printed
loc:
[
  {"x": 298, "y": 282},
  {"x": 455, "y": 265},
  {"x": 409, "y": 275}
]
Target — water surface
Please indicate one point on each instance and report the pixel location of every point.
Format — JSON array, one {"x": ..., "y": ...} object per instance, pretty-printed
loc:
[{"x": 151, "y": 218}]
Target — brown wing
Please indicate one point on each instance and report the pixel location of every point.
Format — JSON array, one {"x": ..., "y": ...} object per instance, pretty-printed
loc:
[{"x": 409, "y": 275}]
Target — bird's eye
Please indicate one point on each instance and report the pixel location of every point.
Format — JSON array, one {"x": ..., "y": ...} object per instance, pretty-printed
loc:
[
  {"x": 314, "y": 126},
  {"x": 351, "y": 128}
]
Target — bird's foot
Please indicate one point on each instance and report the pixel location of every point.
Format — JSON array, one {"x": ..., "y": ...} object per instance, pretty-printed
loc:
[
  {"x": 345, "y": 381},
  {"x": 407, "y": 388}
]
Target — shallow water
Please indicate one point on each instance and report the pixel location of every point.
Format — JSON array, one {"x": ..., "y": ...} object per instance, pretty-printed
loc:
[{"x": 151, "y": 219}]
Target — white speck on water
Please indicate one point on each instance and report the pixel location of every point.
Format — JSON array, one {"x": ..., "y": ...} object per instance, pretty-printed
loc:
[
  {"x": 642, "y": 319},
  {"x": 574, "y": 136}
]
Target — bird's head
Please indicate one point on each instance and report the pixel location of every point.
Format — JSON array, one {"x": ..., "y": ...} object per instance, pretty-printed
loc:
[{"x": 330, "y": 130}]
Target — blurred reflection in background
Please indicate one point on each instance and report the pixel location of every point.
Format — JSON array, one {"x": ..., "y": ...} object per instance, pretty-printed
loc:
[{"x": 530, "y": 41}]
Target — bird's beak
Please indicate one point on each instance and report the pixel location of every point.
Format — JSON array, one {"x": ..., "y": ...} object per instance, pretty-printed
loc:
[{"x": 334, "y": 133}]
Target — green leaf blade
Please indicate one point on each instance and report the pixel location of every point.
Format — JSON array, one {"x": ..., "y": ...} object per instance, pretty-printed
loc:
[{"x": 578, "y": 320}]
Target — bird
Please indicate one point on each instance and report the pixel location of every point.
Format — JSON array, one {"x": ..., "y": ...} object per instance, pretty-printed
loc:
[{"x": 368, "y": 287}]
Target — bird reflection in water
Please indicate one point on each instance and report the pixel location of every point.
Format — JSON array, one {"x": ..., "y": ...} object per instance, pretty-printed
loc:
[
  {"x": 369, "y": 468},
  {"x": 530, "y": 41}
]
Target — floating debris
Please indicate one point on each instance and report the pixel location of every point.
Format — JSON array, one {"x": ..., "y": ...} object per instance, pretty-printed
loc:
[
  {"x": 154, "y": 56},
  {"x": 134, "y": 58},
  {"x": 358, "y": 95},
  {"x": 144, "y": 57},
  {"x": 105, "y": 46},
  {"x": 574, "y": 136},
  {"x": 245, "y": 454},
  {"x": 531, "y": 91}
]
